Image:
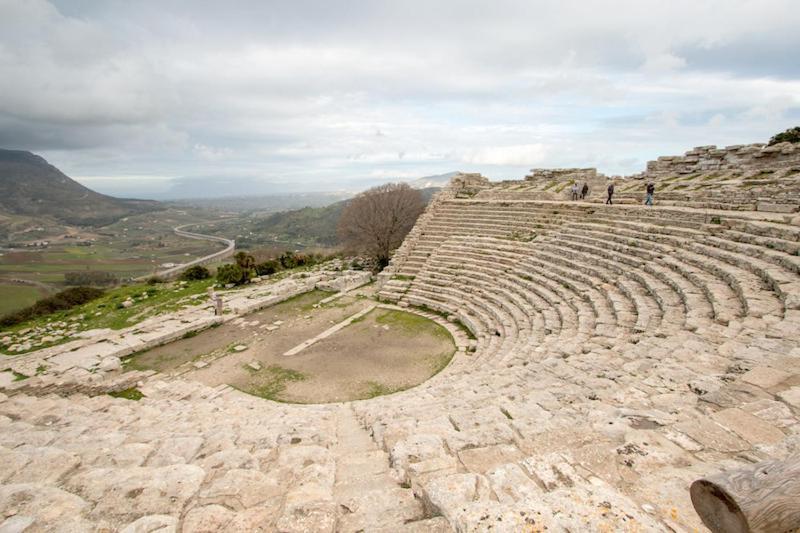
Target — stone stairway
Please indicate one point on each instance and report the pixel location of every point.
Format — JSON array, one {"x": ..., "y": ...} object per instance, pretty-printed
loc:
[{"x": 607, "y": 358}]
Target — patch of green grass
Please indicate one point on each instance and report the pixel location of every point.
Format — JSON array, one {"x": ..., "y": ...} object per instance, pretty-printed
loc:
[
  {"x": 403, "y": 277},
  {"x": 375, "y": 389},
  {"x": 189, "y": 335},
  {"x": 108, "y": 311},
  {"x": 269, "y": 382},
  {"x": 14, "y": 297},
  {"x": 438, "y": 362},
  {"x": 18, "y": 376},
  {"x": 411, "y": 323},
  {"x": 128, "y": 394}
]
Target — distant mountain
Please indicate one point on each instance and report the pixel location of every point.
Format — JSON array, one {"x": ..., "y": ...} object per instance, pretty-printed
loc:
[
  {"x": 30, "y": 186},
  {"x": 439, "y": 180},
  {"x": 267, "y": 203}
]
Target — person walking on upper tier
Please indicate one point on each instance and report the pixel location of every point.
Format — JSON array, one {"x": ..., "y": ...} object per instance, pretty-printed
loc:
[
  {"x": 584, "y": 190},
  {"x": 574, "y": 190},
  {"x": 651, "y": 190},
  {"x": 610, "y": 193}
]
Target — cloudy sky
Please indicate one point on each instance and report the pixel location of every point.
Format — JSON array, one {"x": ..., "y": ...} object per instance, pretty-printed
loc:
[{"x": 320, "y": 94}]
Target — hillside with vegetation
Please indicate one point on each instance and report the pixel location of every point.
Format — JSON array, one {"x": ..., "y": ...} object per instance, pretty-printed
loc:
[
  {"x": 31, "y": 187},
  {"x": 299, "y": 228}
]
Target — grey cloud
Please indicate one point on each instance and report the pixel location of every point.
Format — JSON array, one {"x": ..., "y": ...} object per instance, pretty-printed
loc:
[{"x": 297, "y": 90}]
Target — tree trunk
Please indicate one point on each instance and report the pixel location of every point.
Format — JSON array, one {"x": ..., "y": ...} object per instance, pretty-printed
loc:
[{"x": 763, "y": 498}]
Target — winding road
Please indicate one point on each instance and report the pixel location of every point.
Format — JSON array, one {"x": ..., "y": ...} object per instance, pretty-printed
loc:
[{"x": 230, "y": 246}]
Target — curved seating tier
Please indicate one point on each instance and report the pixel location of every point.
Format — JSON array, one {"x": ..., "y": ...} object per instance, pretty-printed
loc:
[{"x": 616, "y": 354}]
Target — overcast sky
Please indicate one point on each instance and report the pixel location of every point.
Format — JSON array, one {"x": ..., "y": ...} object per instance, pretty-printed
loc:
[{"x": 123, "y": 95}]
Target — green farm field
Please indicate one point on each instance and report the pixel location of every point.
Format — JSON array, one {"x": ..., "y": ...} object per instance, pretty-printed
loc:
[
  {"x": 16, "y": 296},
  {"x": 131, "y": 247}
]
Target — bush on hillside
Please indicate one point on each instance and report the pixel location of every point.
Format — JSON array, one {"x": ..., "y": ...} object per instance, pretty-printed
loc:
[
  {"x": 90, "y": 277},
  {"x": 61, "y": 301},
  {"x": 231, "y": 273},
  {"x": 267, "y": 268},
  {"x": 195, "y": 273},
  {"x": 792, "y": 135}
]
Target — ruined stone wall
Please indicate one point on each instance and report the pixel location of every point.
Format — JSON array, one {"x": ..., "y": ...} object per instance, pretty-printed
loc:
[
  {"x": 561, "y": 174},
  {"x": 552, "y": 180},
  {"x": 742, "y": 157}
]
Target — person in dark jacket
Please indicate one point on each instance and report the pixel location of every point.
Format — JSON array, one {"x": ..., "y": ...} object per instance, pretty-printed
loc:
[
  {"x": 610, "y": 193},
  {"x": 651, "y": 190},
  {"x": 584, "y": 190}
]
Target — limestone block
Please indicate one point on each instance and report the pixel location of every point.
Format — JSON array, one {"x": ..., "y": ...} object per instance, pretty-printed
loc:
[
  {"x": 11, "y": 462},
  {"x": 791, "y": 397},
  {"x": 480, "y": 460},
  {"x": 449, "y": 493},
  {"x": 765, "y": 377},
  {"x": 176, "y": 450},
  {"x": 123, "y": 492},
  {"x": 52, "y": 508},
  {"x": 776, "y": 413},
  {"x": 207, "y": 519},
  {"x": 240, "y": 489},
  {"x": 511, "y": 484},
  {"x": 110, "y": 364},
  {"x": 228, "y": 459},
  {"x": 709, "y": 434},
  {"x": 46, "y": 465},
  {"x": 748, "y": 426},
  {"x": 300, "y": 515},
  {"x": 152, "y": 524}
]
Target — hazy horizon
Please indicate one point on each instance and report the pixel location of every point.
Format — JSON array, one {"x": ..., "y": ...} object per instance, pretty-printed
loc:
[{"x": 134, "y": 98}]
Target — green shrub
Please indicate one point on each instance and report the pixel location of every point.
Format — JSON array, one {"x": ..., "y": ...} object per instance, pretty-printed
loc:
[
  {"x": 288, "y": 260},
  {"x": 90, "y": 277},
  {"x": 61, "y": 301},
  {"x": 792, "y": 135},
  {"x": 231, "y": 273},
  {"x": 267, "y": 268},
  {"x": 195, "y": 273}
]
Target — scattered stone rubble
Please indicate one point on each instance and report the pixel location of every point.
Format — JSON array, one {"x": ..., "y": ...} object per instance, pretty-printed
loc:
[{"x": 603, "y": 365}]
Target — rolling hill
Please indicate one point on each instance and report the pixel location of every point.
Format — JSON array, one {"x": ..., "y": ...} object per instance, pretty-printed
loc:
[
  {"x": 31, "y": 187},
  {"x": 311, "y": 226}
]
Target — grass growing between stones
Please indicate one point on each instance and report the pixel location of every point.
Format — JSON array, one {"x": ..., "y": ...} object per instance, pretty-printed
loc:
[
  {"x": 269, "y": 382},
  {"x": 128, "y": 394},
  {"x": 375, "y": 389}
]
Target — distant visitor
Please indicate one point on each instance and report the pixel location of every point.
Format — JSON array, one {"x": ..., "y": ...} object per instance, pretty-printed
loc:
[
  {"x": 610, "y": 193},
  {"x": 574, "y": 190},
  {"x": 651, "y": 190},
  {"x": 584, "y": 190}
]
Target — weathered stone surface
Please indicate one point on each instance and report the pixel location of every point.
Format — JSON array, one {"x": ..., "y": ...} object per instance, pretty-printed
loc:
[
  {"x": 240, "y": 489},
  {"x": 152, "y": 524},
  {"x": 448, "y": 495},
  {"x": 791, "y": 397},
  {"x": 138, "y": 491},
  {"x": 765, "y": 377},
  {"x": 748, "y": 426},
  {"x": 619, "y": 353},
  {"x": 49, "y": 506}
]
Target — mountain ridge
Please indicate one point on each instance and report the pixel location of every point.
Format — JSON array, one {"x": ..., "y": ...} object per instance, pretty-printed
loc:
[{"x": 31, "y": 186}]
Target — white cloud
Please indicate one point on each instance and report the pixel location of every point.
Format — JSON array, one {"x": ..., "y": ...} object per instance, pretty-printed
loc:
[
  {"x": 521, "y": 154},
  {"x": 386, "y": 88}
]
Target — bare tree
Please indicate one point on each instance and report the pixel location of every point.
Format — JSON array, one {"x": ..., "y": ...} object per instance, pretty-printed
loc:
[{"x": 376, "y": 221}]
